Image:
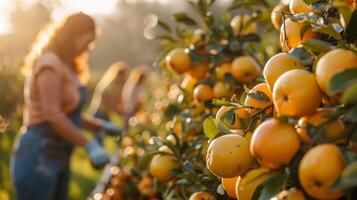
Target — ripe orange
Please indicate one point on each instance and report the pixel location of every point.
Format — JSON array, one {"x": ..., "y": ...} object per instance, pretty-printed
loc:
[
  {"x": 245, "y": 69},
  {"x": 298, "y": 6},
  {"x": 334, "y": 130},
  {"x": 292, "y": 37},
  {"x": 291, "y": 194},
  {"x": 220, "y": 90},
  {"x": 277, "y": 15},
  {"x": 251, "y": 102},
  {"x": 188, "y": 83},
  {"x": 331, "y": 63},
  {"x": 228, "y": 156},
  {"x": 161, "y": 166},
  {"x": 222, "y": 69},
  {"x": 229, "y": 185},
  {"x": 146, "y": 186},
  {"x": 240, "y": 25},
  {"x": 247, "y": 184},
  {"x": 202, "y": 196},
  {"x": 296, "y": 93},
  {"x": 278, "y": 65},
  {"x": 274, "y": 143},
  {"x": 199, "y": 70},
  {"x": 178, "y": 60},
  {"x": 202, "y": 93},
  {"x": 320, "y": 167}
]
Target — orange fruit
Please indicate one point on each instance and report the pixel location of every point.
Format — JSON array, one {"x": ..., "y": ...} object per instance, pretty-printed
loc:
[
  {"x": 228, "y": 156},
  {"x": 188, "y": 83},
  {"x": 274, "y": 143},
  {"x": 277, "y": 15},
  {"x": 245, "y": 69},
  {"x": 199, "y": 70},
  {"x": 319, "y": 168},
  {"x": 247, "y": 184},
  {"x": 240, "y": 25},
  {"x": 291, "y": 194},
  {"x": 203, "y": 93},
  {"x": 331, "y": 63},
  {"x": 298, "y": 6},
  {"x": 146, "y": 186},
  {"x": 178, "y": 60},
  {"x": 334, "y": 130},
  {"x": 290, "y": 34},
  {"x": 278, "y": 65},
  {"x": 241, "y": 113},
  {"x": 161, "y": 166},
  {"x": 222, "y": 69},
  {"x": 258, "y": 104},
  {"x": 202, "y": 196},
  {"x": 296, "y": 93},
  {"x": 229, "y": 185},
  {"x": 220, "y": 90}
]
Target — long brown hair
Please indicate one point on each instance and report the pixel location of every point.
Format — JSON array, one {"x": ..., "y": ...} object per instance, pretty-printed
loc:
[{"x": 59, "y": 38}]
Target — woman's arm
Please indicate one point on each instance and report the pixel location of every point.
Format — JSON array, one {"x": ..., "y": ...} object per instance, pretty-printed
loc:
[
  {"x": 49, "y": 89},
  {"x": 91, "y": 123}
]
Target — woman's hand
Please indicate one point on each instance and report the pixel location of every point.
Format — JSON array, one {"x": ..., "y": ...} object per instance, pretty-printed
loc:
[{"x": 97, "y": 154}]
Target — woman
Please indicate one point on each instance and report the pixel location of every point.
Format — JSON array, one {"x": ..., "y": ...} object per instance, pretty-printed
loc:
[
  {"x": 134, "y": 90},
  {"x": 107, "y": 96},
  {"x": 54, "y": 96}
]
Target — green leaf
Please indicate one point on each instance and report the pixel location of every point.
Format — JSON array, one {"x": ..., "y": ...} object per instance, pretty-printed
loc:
[
  {"x": 351, "y": 30},
  {"x": 317, "y": 46},
  {"x": 302, "y": 54},
  {"x": 344, "y": 9},
  {"x": 352, "y": 115},
  {"x": 350, "y": 95},
  {"x": 164, "y": 26},
  {"x": 221, "y": 102},
  {"x": 246, "y": 3},
  {"x": 344, "y": 183},
  {"x": 183, "y": 18},
  {"x": 230, "y": 117},
  {"x": 270, "y": 187},
  {"x": 209, "y": 127},
  {"x": 342, "y": 80},
  {"x": 259, "y": 96},
  {"x": 328, "y": 30}
]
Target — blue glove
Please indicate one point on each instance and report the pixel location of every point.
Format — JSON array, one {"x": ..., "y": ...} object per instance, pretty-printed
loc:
[
  {"x": 111, "y": 129},
  {"x": 97, "y": 154}
]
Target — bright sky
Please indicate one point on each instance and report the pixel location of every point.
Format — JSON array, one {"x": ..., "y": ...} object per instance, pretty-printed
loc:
[{"x": 94, "y": 7}]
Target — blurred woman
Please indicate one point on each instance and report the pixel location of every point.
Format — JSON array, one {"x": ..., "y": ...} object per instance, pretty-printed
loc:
[
  {"x": 134, "y": 91},
  {"x": 107, "y": 96},
  {"x": 54, "y": 96}
]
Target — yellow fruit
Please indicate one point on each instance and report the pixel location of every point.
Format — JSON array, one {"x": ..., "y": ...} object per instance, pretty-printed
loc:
[
  {"x": 278, "y": 65},
  {"x": 274, "y": 143},
  {"x": 296, "y": 93},
  {"x": 161, "y": 166},
  {"x": 241, "y": 113},
  {"x": 220, "y": 90},
  {"x": 188, "y": 83},
  {"x": 245, "y": 69},
  {"x": 222, "y": 69},
  {"x": 228, "y": 156},
  {"x": 247, "y": 184},
  {"x": 199, "y": 70},
  {"x": 331, "y": 63},
  {"x": 202, "y": 196},
  {"x": 277, "y": 15},
  {"x": 229, "y": 185},
  {"x": 257, "y": 104},
  {"x": 203, "y": 93},
  {"x": 298, "y": 6},
  {"x": 240, "y": 25},
  {"x": 290, "y": 34},
  {"x": 333, "y": 131},
  {"x": 319, "y": 168},
  {"x": 178, "y": 60},
  {"x": 291, "y": 194}
]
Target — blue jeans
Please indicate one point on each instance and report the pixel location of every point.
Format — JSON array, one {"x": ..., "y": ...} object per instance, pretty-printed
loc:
[
  {"x": 100, "y": 136},
  {"x": 40, "y": 165}
]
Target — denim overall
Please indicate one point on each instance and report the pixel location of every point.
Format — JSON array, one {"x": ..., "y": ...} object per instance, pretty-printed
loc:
[{"x": 40, "y": 165}]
